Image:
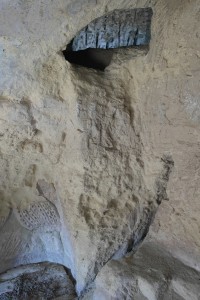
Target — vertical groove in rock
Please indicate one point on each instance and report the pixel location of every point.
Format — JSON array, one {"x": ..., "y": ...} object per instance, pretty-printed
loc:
[
  {"x": 121, "y": 28},
  {"x": 114, "y": 167},
  {"x": 81, "y": 176}
]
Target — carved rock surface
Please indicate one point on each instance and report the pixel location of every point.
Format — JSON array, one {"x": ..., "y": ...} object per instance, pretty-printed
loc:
[
  {"x": 121, "y": 28},
  {"x": 36, "y": 281},
  {"x": 89, "y": 159}
]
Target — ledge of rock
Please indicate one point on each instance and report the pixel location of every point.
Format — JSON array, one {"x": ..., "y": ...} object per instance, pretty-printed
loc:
[{"x": 37, "y": 281}]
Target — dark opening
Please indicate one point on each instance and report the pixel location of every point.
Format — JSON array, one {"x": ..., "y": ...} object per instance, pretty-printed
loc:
[
  {"x": 95, "y": 45},
  {"x": 97, "y": 59}
]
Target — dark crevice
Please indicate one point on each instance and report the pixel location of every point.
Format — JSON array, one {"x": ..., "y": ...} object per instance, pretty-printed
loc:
[
  {"x": 69, "y": 274},
  {"x": 142, "y": 228},
  {"x": 149, "y": 212},
  {"x": 97, "y": 59},
  {"x": 95, "y": 45}
]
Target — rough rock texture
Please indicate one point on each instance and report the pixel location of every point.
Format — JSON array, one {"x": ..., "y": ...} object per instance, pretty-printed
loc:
[
  {"x": 32, "y": 230},
  {"x": 121, "y": 28},
  {"x": 86, "y": 156},
  {"x": 36, "y": 281},
  {"x": 152, "y": 273},
  {"x": 123, "y": 33}
]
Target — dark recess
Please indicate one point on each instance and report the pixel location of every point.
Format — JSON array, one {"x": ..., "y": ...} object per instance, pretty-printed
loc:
[
  {"x": 95, "y": 45},
  {"x": 97, "y": 59}
]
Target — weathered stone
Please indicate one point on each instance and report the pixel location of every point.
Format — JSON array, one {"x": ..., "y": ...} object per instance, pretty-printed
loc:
[
  {"x": 37, "y": 281},
  {"x": 121, "y": 28},
  {"x": 85, "y": 156}
]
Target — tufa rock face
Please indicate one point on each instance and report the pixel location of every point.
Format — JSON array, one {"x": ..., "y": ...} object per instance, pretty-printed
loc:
[
  {"x": 88, "y": 158},
  {"x": 123, "y": 28}
]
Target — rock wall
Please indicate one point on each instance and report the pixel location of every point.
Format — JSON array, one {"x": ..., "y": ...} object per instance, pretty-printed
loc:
[
  {"x": 87, "y": 158},
  {"x": 121, "y": 28}
]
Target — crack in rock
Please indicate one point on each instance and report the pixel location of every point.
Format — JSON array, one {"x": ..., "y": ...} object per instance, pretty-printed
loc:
[{"x": 141, "y": 227}]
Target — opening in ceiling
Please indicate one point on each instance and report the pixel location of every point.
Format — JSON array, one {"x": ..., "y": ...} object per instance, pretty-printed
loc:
[{"x": 95, "y": 45}]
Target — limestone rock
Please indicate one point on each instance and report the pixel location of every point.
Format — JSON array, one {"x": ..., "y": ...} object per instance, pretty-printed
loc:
[
  {"x": 89, "y": 159},
  {"x": 123, "y": 28},
  {"x": 36, "y": 281}
]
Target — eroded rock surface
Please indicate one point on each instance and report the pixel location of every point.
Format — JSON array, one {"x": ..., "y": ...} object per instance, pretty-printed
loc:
[
  {"x": 87, "y": 157},
  {"x": 121, "y": 28},
  {"x": 152, "y": 273},
  {"x": 37, "y": 281}
]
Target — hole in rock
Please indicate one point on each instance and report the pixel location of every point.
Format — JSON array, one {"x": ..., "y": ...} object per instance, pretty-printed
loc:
[
  {"x": 91, "y": 58},
  {"x": 96, "y": 44}
]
